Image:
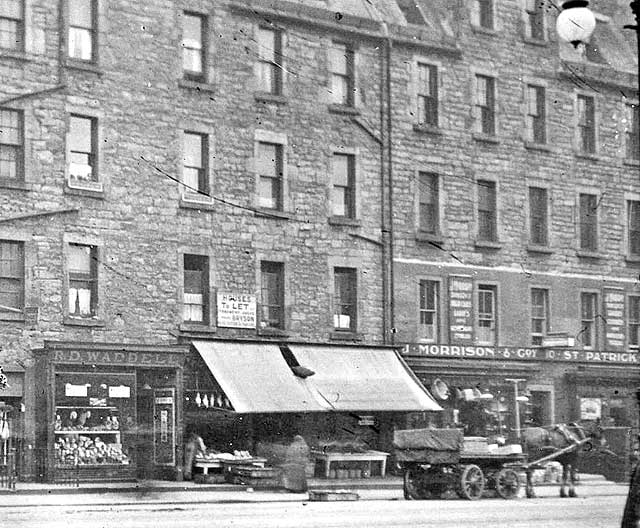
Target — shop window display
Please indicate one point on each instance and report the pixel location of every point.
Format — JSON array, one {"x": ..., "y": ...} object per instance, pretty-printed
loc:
[{"x": 94, "y": 416}]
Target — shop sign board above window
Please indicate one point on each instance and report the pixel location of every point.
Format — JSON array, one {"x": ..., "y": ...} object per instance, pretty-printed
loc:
[
  {"x": 236, "y": 310},
  {"x": 520, "y": 353},
  {"x": 108, "y": 357}
]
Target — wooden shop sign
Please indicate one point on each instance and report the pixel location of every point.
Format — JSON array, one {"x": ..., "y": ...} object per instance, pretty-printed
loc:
[
  {"x": 521, "y": 353},
  {"x": 461, "y": 309},
  {"x": 105, "y": 357}
]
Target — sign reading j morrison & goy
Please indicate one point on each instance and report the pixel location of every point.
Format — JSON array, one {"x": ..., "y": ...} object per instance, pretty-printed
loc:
[{"x": 520, "y": 353}]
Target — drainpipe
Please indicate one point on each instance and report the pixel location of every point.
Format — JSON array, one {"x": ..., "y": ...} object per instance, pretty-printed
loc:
[
  {"x": 388, "y": 229},
  {"x": 386, "y": 183},
  {"x": 392, "y": 327},
  {"x": 383, "y": 202}
]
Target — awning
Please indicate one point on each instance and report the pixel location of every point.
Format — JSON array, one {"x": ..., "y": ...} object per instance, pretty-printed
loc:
[
  {"x": 257, "y": 379},
  {"x": 363, "y": 379}
]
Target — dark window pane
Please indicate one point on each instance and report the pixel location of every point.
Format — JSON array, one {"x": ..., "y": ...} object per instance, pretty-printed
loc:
[
  {"x": 486, "y": 210},
  {"x": 429, "y": 202},
  {"x": 538, "y": 215},
  {"x": 345, "y": 298},
  {"x": 634, "y": 228},
  {"x": 272, "y": 294}
]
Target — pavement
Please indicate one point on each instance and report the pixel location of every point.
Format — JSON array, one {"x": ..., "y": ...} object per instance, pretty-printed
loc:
[{"x": 166, "y": 492}]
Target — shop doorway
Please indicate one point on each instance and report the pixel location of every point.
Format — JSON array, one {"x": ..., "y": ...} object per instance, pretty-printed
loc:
[
  {"x": 540, "y": 408},
  {"x": 164, "y": 428},
  {"x": 156, "y": 451}
]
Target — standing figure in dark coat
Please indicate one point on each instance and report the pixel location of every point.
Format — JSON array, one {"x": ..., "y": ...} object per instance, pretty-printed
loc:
[{"x": 193, "y": 447}]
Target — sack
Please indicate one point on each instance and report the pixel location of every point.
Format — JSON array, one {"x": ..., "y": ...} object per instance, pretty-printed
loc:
[{"x": 4, "y": 430}]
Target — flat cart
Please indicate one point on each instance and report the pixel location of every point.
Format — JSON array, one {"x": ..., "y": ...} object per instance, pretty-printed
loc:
[{"x": 434, "y": 463}]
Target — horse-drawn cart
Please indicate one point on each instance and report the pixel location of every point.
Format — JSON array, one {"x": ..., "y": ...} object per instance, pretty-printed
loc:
[{"x": 434, "y": 462}]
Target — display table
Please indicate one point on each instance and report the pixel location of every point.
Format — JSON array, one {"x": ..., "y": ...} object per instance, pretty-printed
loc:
[
  {"x": 368, "y": 457},
  {"x": 206, "y": 465}
]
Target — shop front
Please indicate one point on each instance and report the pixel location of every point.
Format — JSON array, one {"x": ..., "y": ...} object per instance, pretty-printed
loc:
[
  {"x": 344, "y": 401},
  {"x": 498, "y": 390},
  {"x": 13, "y": 455},
  {"x": 607, "y": 395},
  {"x": 108, "y": 412},
  {"x": 484, "y": 398}
]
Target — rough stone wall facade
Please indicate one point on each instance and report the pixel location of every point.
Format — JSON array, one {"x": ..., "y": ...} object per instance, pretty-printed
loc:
[
  {"x": 137, "y": 222},
  {"x": 142, "y": 227},
  {"x": 460, "y": 157}
]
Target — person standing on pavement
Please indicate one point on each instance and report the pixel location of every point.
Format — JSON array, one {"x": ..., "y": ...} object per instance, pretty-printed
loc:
[{"x": 294, "y": 477}]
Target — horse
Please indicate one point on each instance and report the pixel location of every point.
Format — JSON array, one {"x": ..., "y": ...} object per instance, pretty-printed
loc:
[{"x": 539, "y": 442}]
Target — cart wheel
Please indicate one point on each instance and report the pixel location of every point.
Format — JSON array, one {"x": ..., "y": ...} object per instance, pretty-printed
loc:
[
  {"x": 471, "y": 483},
  {"x": 507, "y": 483}
]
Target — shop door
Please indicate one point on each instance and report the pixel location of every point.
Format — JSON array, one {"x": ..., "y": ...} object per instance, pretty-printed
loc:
[
  {"x": 539, "y": 409},
  {"x": 164, "y": 431}
]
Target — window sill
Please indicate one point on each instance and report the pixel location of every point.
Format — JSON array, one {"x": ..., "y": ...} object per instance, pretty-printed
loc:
[
  {"x": 589, "y": 254},
  {"x": 16, "y": 317},
  {"x": 90, "y": 191},
  {"x": 486, "y": 138},
  {"x": 272, "y": 213},
  {"x": 343, "y": 109},
  {"x": 199, "y": 86},
  {"x": 344, "y": 221},
  {"x": 203, "y": 203},
  {"x": 9, "y": 183},
  {"x": 488, "y": 244},
  {"x": 427, "y": 129},
  {"x": 197, "y": 328},
  {"x": 87, "y": 66},
  {"x": 535, "y": 42},
  {"x": 531, "y": 145},
  {"x": 82, "y": 321},
  {"x": 631, "y": 162},
  {"x": 273, "y": 332},
  {"x": 337, "y": 335},
  {"x": 491, "y": 32},
  {"x": 266, "y": 97},
  {"x": 543, "y": 250},
  {"x": 19, "y": 55},
  {"x": 423, "y": 236},
  {"x": 632, "y": 259},
  {"x": 591, "y": 156}
]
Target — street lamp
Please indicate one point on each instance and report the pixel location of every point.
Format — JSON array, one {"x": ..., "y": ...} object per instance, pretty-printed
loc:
[{"x": 575, "y": 22}]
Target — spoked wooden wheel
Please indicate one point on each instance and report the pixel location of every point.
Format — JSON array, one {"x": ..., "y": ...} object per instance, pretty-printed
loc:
[
  {"x": 471, "y": 483},
  {"x": 507, "y": 483}
]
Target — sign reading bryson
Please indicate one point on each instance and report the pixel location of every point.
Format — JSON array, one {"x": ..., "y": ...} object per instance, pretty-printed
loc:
[
  {"x": 236, "y": 310},
  {"x": 520, "y": 353}
]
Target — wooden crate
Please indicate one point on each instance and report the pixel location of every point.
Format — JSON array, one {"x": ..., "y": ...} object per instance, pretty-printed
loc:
[
  {"x": 332, "y": 495},
  {"x": 254, "y": 472}
]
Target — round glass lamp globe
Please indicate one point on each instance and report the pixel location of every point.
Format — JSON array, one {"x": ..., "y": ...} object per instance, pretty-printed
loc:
[{"x": 575, "y": 24}]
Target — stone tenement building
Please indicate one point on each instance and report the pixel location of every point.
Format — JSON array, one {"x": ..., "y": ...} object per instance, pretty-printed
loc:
[{"x": 444, "y": 176}]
